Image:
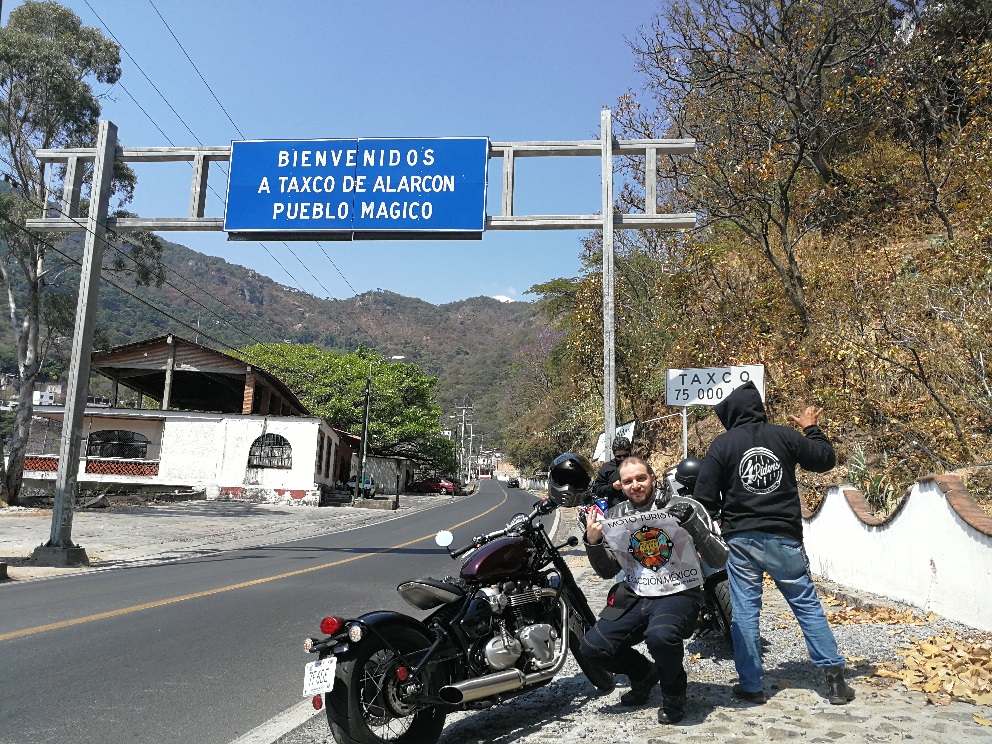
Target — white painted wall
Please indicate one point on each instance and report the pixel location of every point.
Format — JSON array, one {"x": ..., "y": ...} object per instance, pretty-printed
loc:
[
  {"x": 210, "y": 451},
  {"x": 925, "y": 556}
]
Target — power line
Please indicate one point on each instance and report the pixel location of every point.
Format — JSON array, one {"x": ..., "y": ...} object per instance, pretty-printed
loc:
[
  {"x": 72, "y": 260},
  {"x": 197, "y": 70},
  {"x": 298, "y": 284},
  {"x": 234, "y": 124}
]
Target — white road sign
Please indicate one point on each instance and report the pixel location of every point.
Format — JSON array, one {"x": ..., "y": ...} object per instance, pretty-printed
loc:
[{"x": 709, "y": 385}]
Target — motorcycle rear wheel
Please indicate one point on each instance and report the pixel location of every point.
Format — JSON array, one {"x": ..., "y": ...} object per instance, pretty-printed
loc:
[
  {"x": 366, "y": 707},
  {"x": 719, "y": 597}
]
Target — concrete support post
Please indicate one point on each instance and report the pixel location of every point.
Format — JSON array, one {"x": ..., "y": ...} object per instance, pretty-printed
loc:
[
  {"x": 60, "y": 550},
  {"x": 170, "y": 367},
  {"x": 609, "y": 348}
]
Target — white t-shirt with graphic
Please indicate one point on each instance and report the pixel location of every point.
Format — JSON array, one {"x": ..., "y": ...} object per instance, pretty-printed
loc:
[{"x": 657, "y": 555}]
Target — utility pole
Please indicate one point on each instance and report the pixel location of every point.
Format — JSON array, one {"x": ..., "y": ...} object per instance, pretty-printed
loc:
[
  {"x": 360, "y": 481},
  {"x": 461, "y": 447},
  {"x": 471, "y": 437}
]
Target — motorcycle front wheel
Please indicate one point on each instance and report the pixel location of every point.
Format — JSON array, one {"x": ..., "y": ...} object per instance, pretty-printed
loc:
[
  {"x": 601, "y": 679},
  {"x": 367, "y": 706}
]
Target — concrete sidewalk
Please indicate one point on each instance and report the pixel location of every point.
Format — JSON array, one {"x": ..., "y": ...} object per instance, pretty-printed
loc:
[{"x": 131, "y": 534}]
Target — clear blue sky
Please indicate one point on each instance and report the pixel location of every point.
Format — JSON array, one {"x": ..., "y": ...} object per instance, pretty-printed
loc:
[{"x": 509, "y": 70}]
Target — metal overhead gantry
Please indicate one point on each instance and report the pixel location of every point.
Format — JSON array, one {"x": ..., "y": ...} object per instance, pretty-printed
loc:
[{"x": 68, "y": 219}]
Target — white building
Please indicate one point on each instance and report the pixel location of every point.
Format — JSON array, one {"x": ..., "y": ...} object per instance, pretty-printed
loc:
[
  {"x": 219, "y": 425},
  {"x": 42, "y": 398}
]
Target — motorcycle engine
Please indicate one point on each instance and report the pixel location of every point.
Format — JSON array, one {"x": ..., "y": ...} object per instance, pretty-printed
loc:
[{"x": 515, "y": 623}]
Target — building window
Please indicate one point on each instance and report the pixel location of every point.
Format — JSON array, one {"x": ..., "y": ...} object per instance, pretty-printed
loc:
[
  {"x": 117, "y": 443},
  {"x": 270, "y": 451}
]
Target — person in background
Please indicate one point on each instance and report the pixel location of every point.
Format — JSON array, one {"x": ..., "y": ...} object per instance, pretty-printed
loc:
[
  {"x": 748, "y": 484},
  {"x": 607, "y": 483},
  {"x": 659, "y": 598}
]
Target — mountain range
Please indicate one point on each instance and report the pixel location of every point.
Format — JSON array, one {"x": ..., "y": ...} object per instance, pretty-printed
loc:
[{"x": 469, "y": 344}]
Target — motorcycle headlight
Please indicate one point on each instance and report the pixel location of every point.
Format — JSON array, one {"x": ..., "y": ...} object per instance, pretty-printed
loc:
[{"x": 355, "y": 632}]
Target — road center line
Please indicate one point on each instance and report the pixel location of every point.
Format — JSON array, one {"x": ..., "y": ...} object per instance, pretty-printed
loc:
[{"x": 196, "y": 595}]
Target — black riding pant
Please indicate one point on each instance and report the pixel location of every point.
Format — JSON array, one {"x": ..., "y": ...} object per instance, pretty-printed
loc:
[{"x": 663, "y": 623}]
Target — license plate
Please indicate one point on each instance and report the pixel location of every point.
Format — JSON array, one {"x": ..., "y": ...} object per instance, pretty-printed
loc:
[{"x": 318, "y": 676}]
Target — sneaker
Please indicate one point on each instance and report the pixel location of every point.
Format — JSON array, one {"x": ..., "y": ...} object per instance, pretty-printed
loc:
[
  {"x": 672, "y": 709},
  {"x": 757, "y": 697},
  {"x": 639, "y": 692}
]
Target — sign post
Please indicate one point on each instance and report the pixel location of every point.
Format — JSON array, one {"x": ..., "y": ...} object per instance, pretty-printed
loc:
[{"x": 707, "y": 387}]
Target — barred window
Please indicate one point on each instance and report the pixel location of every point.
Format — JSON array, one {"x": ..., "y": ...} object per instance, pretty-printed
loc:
[
  {"x": 270, "y": 451},
  {"x": 127, "y": 445}
]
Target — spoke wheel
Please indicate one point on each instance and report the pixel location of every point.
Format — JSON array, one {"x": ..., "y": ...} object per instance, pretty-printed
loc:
[{"x": 368, "y": 704}]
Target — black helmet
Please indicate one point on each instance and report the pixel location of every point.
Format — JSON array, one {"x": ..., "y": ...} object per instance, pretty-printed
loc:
[
  {"x": 621, "y": 443},
  {"x": 687, "y": 471},
  {"x": 569, "y": 478}
]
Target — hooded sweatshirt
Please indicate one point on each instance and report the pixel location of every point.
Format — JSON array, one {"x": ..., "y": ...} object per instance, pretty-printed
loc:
[{"x": 748, "y": 478}]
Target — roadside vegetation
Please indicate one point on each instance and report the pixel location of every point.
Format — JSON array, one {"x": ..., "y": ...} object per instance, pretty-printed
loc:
[{"x": 844, "y": 239}]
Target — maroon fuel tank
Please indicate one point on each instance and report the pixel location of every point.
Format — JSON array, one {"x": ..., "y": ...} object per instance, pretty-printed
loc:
[{"x": 502, "y": 557}]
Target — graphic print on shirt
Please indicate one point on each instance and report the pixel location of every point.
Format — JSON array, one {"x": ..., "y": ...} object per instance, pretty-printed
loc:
[
  {"x": 760, "y": 470},
  {"x": 656, "y": 553},
  {"x": 651, "y": 547}
]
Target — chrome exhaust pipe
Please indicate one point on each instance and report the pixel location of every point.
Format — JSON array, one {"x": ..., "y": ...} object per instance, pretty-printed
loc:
[{"x": 507, "y": 680}]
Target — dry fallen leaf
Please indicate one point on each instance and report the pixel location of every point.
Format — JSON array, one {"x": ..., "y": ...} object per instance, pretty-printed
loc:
[{"x": 945, "y": 668}]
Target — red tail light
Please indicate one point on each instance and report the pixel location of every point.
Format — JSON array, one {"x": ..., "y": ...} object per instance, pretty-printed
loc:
[
  {"x": 331, "y": 625},
  {"x": 402, "y": 674},
  {"x": 317, "y": 702}
]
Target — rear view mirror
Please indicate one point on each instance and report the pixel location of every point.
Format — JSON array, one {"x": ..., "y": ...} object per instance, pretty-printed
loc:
[{"x": 444, "y": 538}]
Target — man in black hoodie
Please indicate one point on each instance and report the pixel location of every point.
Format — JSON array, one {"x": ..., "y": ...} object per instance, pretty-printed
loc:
[{"x": 748, "y": 483}]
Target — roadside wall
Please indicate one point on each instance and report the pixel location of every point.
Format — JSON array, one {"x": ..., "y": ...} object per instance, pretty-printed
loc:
[{"x": 934, "y": 552}]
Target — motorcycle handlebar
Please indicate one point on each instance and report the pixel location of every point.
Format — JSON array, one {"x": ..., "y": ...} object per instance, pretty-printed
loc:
[{"x": 541, "y": 507}]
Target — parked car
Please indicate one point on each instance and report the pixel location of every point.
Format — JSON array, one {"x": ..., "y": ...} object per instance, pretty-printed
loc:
[
  {"x": 368, "y": 486},
  {"x": 513, "y": 483},
  {"x": 435, "y": 485}
]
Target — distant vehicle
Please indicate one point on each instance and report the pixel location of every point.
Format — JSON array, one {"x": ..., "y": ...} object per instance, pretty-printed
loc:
[
  {"x": 435, "y": 485},
  {"x": 368, "y": 486},
  {"x": 513, "y": 483}
]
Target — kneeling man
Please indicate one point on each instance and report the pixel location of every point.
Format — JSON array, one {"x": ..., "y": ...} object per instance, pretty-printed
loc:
[{"x": 657, "y": 602}]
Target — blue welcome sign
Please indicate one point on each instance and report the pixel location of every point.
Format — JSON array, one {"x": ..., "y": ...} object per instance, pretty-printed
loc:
[{"x": 344, "y": 188}]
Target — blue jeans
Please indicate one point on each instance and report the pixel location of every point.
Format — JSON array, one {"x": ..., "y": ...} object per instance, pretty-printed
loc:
[{"x": 753, "y": 553}]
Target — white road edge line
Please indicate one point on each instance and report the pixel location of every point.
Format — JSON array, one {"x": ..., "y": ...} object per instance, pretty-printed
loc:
[{"x": 279, "y": 725}]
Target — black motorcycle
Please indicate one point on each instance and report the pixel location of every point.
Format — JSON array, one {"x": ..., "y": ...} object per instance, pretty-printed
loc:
[
  {"x": 717, "y": 614},
  {"x": 503, "y": 626}
]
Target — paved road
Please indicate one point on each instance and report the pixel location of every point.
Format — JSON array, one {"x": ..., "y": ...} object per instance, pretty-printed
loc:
[{"x": 207, "y": 649}]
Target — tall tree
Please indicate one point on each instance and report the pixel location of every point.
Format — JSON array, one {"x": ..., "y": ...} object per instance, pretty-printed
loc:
[
  {"x": 760, "y": 86},
  {"x": 49, "y": 63},
  {"x": 404, "y": 418}
]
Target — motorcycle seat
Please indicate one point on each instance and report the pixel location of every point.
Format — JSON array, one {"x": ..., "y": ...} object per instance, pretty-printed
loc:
[{"x": 428, "y": 593}]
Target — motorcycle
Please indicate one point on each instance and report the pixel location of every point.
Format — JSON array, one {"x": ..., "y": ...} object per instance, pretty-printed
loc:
[
  {"x": 503, "y": 626},
  {"x": 716, "y": 614}
]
